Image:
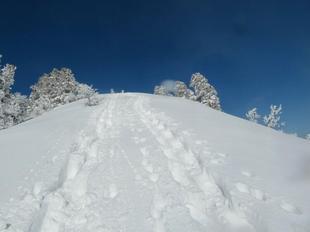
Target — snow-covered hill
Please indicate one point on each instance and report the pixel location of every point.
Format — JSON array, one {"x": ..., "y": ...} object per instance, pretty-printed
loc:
[{"x": 141, "y": 163}]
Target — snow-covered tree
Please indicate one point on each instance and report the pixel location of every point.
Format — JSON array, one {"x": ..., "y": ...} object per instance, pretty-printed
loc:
[
  {"x": 204, "y": 91},
  {"x": 86, "y": 91},
  {"x": 160, "y": 90},
  {"x": 252, "y": 115},
  {"x": 56, "y": 88},
  {"x": 12, "y": 106},
  {"x": 307, "y": 137},
  {"x": 190, "y": 95},
  {"x": 20, "y": 104},
  {"x": 6, "y": 79},
  {"x": 7, "y": 110},
  {"x": 273, "y": 119},
  {"x": 180, "y": 89}
]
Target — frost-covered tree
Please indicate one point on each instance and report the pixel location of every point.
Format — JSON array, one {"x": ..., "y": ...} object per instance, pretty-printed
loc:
[
  {"x": 252, "y": 115},
  {"x": 56, "y": 88},
  {"x": 160, "y": 90},
  {"x": 91, "y": 95},
  {"x": 190, "y": 95},
  {"x": 84, "y": 91},
  {"x": 174, "y": 88},
  {"x": 20, "y": 104},
  {"x": 6, "y": 79},
  {"x": 180, "y": 89},
  {"x": 204, "y": 91},
  {"x": 7, "y": 110},
  {"x": 273, "y": 119},
  {"x": 12, "y": 106}
]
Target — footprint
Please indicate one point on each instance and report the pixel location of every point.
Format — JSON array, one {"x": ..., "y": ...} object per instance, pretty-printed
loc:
[
  {"x": 113, "y": 191},
  {"x": 223, "y": 155},
  {"x": 217, "y": 161},
  {"x": 258, "y": 194},
  {"x": 247, "y": 174},
  {"x": 243, "y": 188},
  {"x": 74, "y": 165},
  {"x": 138, "y": 140},
  {"x": 144, "y": 151},
  {"x": 138, "y": 177},
  {"x": 176, "y": 144},
  {"x": 154, "y": 177},
  {"x": 54, "y": 159},
  {"x": 168, "y": 134},
  {"x": 93, "y": 150},
  {"x": 4, "y": 226},
  {"x": 186, "y": 133},
  {"x": 148, "y": 167},
  {"x": 207, "y": 152},
  {"x": 290, "y": 208},
  {"x": 199, "y": 142}
]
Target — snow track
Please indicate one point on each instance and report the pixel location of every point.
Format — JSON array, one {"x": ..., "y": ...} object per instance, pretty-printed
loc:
[
  {"x": 64, "y": 208},
  {"x": 135, "y": 169},
  {"x": 204, "y": 198}
]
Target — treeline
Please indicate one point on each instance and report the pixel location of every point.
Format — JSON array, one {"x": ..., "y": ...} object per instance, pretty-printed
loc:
[{"x": 52, "y": 89}]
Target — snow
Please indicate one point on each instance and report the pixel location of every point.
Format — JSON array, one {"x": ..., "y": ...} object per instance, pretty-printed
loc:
[{"x": 139, "y": 162}]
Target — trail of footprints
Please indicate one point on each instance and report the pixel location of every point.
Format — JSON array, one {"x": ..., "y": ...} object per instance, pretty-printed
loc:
[
  {"x": 153, "y": 175},
  {"x": 262, "y": 196},
  {"x": 66, "y": 207},
  {"x": 203, "y": 195},
  {"x": 190, "y": 172}
]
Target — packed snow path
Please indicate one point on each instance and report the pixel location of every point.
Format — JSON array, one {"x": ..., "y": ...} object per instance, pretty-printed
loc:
[{"x": 135, "y": 169}]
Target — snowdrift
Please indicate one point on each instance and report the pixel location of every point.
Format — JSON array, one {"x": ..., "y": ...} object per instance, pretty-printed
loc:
[{"x": 139, "y": 162}]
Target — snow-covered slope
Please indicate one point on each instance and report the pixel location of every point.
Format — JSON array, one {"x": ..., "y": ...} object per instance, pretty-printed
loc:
[{"x": 143, "y": 163}]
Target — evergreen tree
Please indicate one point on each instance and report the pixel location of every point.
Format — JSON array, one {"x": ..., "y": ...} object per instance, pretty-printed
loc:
[
  {"x": 160, "y": 90},
  {"x": 180, "y": 89},
  {"x": 204, "y": 91},
  {"x": 86, "y": 91},
  {"x": 252, "y": 115},
  {"x": 190, "y": 95},
  {"x": 6, "y": 110},
  {"x": 56, "y": 88},
  {"x": 273, "y": 119},
  {"x": 12, "y": 106}
]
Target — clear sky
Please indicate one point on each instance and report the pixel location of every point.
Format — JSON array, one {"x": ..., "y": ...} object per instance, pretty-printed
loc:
[{"x": 254, "y": 52}]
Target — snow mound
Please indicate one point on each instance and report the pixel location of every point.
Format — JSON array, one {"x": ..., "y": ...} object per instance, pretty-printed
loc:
[{"x": 139, "y": 162}]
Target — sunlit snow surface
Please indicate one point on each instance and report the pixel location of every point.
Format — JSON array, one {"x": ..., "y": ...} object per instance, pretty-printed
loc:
[{"x": 141, "y": 163}]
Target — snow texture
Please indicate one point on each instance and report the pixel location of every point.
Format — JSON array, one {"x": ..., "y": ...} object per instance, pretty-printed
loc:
[{"x": 139, "y": 162}]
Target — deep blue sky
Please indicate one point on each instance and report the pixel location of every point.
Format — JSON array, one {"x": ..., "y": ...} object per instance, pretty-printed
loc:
[{"x": 254, "y": 52}]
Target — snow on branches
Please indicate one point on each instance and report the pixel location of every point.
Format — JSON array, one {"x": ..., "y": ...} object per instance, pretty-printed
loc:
[
  {"x": 57, "y": 88},
  {"x": 273, "y": 119},
  {"x": 202, "y": 92},
  {"x": 252, "y": 115},
  {"x": 12, "y": 105},
  {"x": 53, "y": 89}
]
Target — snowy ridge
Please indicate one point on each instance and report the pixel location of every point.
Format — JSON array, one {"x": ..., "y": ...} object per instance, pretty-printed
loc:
[{"x": 135, "y": 168}]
